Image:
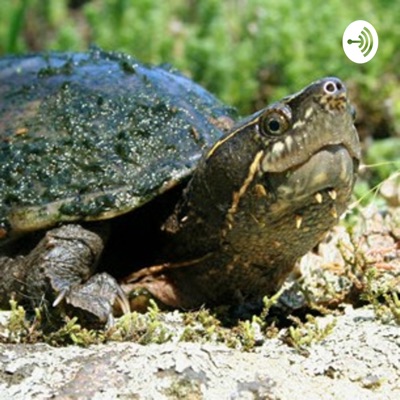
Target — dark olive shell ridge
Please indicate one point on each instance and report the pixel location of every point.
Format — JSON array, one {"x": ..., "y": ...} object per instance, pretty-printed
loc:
[{"x": 93, "y": 135}]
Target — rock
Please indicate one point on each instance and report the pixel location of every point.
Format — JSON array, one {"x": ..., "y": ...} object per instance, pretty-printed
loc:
[{"x": 360, "y": 359}]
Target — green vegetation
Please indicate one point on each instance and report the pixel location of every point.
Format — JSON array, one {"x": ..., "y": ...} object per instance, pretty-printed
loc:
[
  {"x": 383, "y": 298},
  {"x": 245, "y": 51},
  {"x": 154, "y": 326},
  {"x": 304, "y": 334}
]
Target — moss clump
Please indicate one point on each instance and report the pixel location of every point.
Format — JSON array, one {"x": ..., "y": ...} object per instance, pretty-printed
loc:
[{"x": 304, "y": 334}]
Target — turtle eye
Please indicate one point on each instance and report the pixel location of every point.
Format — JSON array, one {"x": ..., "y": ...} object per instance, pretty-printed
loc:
[{"x": 274, "y": 123}]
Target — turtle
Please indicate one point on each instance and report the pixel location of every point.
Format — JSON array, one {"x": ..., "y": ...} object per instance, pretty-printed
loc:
[{"x": 118, "y": 177}]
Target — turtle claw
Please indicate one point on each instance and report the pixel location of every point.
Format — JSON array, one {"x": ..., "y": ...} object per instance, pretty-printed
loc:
[
  {"x": 61, "y": 296},
  {"x": 84, "y": 297},
  {"x": 97, "y": 297},
  {"x": 123, "y": 301},
  {"x": 62, "y": 265},
  {"x": 110, "y": 321}
]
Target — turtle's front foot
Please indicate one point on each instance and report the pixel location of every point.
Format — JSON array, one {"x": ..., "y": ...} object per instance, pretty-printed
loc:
[
  {"x": 97, "y": 297},
  {"x": 59, "y": 273}
]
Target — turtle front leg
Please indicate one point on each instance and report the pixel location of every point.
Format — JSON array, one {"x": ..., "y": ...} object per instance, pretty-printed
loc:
[
  {"x": 12, "y": 279},
  {"x": 59, "y": 271}
]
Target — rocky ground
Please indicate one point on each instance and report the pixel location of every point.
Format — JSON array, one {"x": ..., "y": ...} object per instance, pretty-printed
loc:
[
  {"x": 351, "y": 351},
  {"x": 360, "y": 359}
]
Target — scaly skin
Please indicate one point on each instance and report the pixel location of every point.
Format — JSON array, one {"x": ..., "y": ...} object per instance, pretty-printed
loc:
[{"x": 259, "y": 200}]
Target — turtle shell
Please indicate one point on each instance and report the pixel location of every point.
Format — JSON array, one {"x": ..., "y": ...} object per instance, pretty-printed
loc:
[{"x": 88, "y": 136}]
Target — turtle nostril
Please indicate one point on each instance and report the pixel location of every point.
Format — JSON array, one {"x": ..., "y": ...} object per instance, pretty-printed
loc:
[
  {"x": 330, "y": 87},
  {"x": 333, "y": 87}
]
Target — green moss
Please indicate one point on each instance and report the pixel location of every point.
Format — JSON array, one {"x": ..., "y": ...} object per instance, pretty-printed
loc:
[
  {"x": 201, "y": 326},
  {"x": 383, "y": 298},
  {"x": 19, "y": 329},
  {"x": 303, "y": 334},
  {"x": 73, "y": 333},
  {"x": 142, "y": 328},
  {"x": 184, "y": 389}
]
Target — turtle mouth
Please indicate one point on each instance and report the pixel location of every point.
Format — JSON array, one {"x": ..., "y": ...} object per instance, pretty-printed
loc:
[
  {"x": 333, "y": 167},
  {"x": 298, "y": 148}
]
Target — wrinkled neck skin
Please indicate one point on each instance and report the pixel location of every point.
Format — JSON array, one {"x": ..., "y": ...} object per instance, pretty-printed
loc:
[
  {"x": 263, "y": 195},
  {"x": 199, "y": 224},
  {"x": 241, "y": 211},
  {"x": 246, "y": 227}
]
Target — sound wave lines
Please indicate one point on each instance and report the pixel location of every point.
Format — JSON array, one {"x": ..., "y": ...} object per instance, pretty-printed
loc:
[{"x": 365, "y": 42}]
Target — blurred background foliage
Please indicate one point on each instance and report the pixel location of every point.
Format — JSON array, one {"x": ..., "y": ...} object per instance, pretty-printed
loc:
[{"x": 247, "y": 52}]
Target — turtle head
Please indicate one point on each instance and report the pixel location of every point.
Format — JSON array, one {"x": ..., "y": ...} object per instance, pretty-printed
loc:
[
  {"x": 309, "y": 143},
  {"x": 300, "y": 125},
  {"x": 297, "y": 146},
  {"x": 263, "y": 195},
  {"x": 297, "y": 157}
]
